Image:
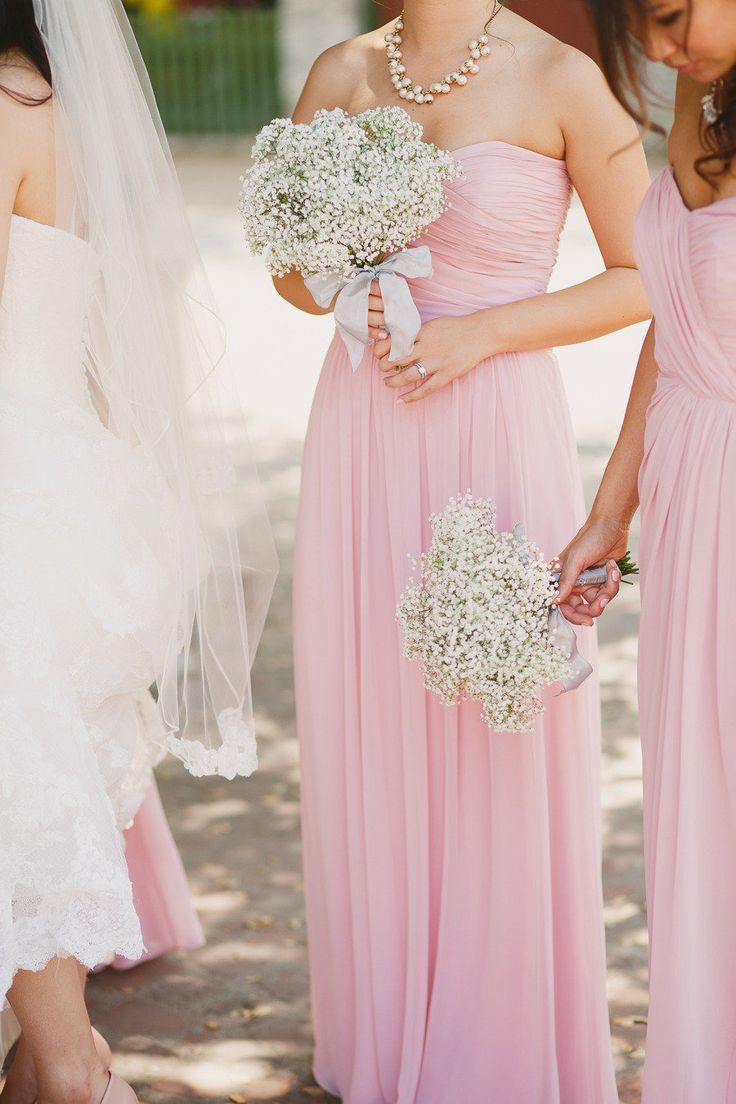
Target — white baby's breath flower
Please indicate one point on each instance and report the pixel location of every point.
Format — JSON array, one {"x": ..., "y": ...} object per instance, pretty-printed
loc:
[
  {"x": 476, "y": 614},
  {"x": 341, "y": 193}
]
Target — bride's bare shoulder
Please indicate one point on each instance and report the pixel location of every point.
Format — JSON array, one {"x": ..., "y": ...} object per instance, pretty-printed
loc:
[{"x": 339, "y": 72}]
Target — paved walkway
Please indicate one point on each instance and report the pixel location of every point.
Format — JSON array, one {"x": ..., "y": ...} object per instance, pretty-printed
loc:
[{"x": 230, "y": 1022}]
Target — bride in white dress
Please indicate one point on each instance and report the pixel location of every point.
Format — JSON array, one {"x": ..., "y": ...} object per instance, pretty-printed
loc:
[{"x": 120, "y": 564}]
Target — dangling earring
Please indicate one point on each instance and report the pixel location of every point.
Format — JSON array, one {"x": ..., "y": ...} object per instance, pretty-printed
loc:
[{"x": 712, "y": 102}]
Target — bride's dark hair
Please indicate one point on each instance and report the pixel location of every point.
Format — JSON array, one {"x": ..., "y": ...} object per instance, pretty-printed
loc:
[
  {"x": 19, "y": 35},
  {"x": 618, "y": 26}
]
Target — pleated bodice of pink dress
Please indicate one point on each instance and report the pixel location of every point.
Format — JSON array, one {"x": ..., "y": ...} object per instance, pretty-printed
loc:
[
  {"x": 687, "y": 686},
  {"x": 452, "y": 874}
]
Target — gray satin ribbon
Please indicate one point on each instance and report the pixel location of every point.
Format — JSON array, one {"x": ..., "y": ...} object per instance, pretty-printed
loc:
[
  {"x": 351, "y": 309},
  {"x": 562, "y": 634}
]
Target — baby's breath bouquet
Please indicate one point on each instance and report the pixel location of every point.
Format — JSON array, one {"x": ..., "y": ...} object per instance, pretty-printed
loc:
[
  {"x": 339, "y": 200},
  {"x": 478, "y": 617}
]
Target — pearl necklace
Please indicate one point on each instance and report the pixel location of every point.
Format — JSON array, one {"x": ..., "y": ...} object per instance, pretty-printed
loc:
[{"x": 406, "y": 87}]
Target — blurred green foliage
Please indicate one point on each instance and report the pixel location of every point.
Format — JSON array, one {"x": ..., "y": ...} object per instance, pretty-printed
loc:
[{"x": 213, "y": 69}]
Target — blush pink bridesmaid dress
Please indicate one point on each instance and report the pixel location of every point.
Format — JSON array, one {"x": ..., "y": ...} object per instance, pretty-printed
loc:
[
  {"x": 160, "y": 889},
  {"x": 452, "y": 874},
  {"x": 687, "y": 678}
]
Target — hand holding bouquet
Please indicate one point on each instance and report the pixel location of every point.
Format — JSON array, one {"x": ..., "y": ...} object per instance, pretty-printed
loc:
[
  {"x": 481, "y": 618},
  {"x": 339, "y": 200}
]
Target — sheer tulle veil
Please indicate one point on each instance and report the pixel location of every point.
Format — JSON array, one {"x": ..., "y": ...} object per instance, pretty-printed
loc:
[{"x": 154, "y": 353}]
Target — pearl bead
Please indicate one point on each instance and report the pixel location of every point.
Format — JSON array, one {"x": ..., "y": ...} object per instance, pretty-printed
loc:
[
  {"x": 474, "y": 44},
  {"x": 445, "y": 88},
  {"x": 406, "y": 82},
  {"x": 400, "y": 68},
  {"x": 453, "y": 78},
  {"x": 410, "y": 95},
  {"x": 390, "y": 49},
  {"x": 475, "y": 52},
  {"x": 397, "y": 39},
  {"x": 418, "y": 97},
  {"x": 417, "y": 89},
  {"x": 388, "y": 38},
  {"x": 483, "y": 40},
  {"x": 485, "y": 50},
  {"x": 429, "y": 98},
  {"x": 475, "y": 68},
  {"x": 393, "y": 64},
  {"x": 462, "y": 79},
  {"x": 403, "y": 93}
]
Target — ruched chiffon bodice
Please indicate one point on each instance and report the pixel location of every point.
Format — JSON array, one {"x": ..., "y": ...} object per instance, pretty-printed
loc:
[
  {"x": 499, "y": 240},
  {"x": 48, "y": 283},
  {"x": 687, "y": 260},
  {"x": 687, "y": 690},
  {"x": 439, "y": 857}
]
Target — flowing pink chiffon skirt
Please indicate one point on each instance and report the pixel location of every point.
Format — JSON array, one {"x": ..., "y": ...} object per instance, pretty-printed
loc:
[
  {"x": 687, "y": 684},
  {"x": 452, "y": 874}
]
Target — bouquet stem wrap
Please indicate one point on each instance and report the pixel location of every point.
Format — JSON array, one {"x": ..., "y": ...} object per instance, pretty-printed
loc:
[{"x": 351, "y": 310}]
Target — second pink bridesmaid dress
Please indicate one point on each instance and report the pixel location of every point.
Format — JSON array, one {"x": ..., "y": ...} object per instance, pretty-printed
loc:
[
  {"x": 452, "y": 874},
  {"x": 160, "y": 889},
  {"x": 687, "y": 683}
]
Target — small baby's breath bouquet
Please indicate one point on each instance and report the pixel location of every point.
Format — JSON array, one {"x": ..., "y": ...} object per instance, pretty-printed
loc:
[
  {"x": 339, "y": 200},
  {"x": 478, "y": 615}
]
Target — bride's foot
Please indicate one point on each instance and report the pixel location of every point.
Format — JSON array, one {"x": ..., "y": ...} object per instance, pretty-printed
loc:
[
  {"x": 21, "y": 1086},
  {"x": 76, "y": 1083},
  {"x": 103, "y": 1048}
]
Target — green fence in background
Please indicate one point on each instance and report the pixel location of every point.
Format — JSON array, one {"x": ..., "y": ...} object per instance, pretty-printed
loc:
[{"x": 213, "y": 72}]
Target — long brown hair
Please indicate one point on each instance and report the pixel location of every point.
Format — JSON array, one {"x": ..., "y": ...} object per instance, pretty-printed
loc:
[
  {"x": 617, "y": 23},
  {"x": 20, "y": 36}
]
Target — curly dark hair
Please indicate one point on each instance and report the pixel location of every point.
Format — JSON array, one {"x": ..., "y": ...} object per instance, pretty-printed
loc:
[
  {"x": 618, "y": 25},
  {"x": 19, "y": 34}
]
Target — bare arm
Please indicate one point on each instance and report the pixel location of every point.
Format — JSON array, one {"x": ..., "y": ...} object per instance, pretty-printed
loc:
[
  {"x": 607, "y": 165},
  {"x": 606, "y": 532}
]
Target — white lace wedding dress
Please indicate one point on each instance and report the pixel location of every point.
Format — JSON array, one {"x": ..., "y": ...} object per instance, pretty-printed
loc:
[{"x": 85, "y": 602}]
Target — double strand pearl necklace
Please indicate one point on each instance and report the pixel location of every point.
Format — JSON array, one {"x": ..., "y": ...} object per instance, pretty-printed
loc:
[{"x": 406, "y": 87}]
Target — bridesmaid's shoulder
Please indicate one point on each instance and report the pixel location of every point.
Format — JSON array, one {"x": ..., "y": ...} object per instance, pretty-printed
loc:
[
  {"x": 338, "y": 71},
  {"x": 559, "y": 72}
]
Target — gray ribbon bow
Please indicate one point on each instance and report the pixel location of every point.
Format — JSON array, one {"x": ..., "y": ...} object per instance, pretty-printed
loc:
[
  {"x": 562, "y": 635},
  {"x": 351, "y": 309}
]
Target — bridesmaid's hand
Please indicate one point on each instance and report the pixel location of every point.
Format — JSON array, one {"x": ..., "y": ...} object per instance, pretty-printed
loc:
[
  {"x": 376, "y": 322},
  {"x": 447, "y": 347},
  {"x": 599, "y": 541}
]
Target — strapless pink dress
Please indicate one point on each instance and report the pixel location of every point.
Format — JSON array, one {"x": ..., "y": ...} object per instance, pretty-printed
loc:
[
  {"x": 452, "y": 874},
  {"x": 687, "y": 681}
]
